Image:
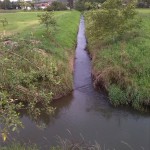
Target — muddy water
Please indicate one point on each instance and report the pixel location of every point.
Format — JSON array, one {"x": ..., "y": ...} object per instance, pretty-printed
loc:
[{"x": 88, "y": 112}]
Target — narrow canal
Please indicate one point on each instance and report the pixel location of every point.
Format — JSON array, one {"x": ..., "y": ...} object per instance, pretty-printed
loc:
[{"x": 88, "y": 112}]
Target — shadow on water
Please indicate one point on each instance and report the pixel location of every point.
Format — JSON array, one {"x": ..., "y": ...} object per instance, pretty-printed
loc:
[{"x": 88, "y": 112}]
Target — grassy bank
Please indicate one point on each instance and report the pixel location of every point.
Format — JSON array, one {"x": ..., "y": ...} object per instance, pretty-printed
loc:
[
  {"x": 122, "y": 67},
  {"x": 16, "y": 146},
  {"x": 32, "y": 64},
  {"x": 63, "y": 144}
]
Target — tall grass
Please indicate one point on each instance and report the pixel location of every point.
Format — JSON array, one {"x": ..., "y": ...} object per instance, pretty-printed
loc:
[{"x": 122, "y": 66}]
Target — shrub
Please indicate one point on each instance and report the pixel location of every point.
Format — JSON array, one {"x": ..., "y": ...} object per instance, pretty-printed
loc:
[
  {"x": 56, "y": 6},
  {"x": 48, "y": 20},
  {"x": 113, "y": 20},
  {"x": 79, "y": 5}
]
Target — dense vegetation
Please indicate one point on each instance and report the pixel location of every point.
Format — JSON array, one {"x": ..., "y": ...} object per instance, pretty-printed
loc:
[
  {"x": 119, "y": 47},
  {"x": 36, "y": 67},
  {"x": 63, "y": 144},
  {"x": 82, "y": 5},
  {"x": 56, "y": 6}
]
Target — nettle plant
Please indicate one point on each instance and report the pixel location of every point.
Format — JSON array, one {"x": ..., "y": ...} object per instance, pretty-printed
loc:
[{"x": 113, "y": 20}]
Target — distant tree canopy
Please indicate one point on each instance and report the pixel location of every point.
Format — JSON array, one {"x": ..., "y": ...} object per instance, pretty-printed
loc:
[
  {"x": 143, "y": 3},
  {"x": 114, "y": 20},
  {"x": 6, "y": 4},
  {"x": 70, "y": 4},
  {"x": 82, "y": 5},
  {"x": 56, "y": 6}
]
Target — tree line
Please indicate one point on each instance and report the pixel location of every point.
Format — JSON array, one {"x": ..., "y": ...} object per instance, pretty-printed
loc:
[{"x": 80, "y": 5}]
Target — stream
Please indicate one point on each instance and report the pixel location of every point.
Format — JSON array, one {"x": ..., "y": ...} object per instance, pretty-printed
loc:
[{"x": 88, "y": 112}]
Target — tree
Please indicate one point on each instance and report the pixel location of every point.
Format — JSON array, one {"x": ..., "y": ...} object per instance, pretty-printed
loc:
[
  {"x": 113, "y": 20},
  {"x": 70, "y": 3},
  {"x": 24, "y": 5},
  {"x": 143, "y": 3},
  {"x": 48, "y": 20},
  {"x": 82, "y": 5},
  {"x": 6, "y": 4},
  {"x": 56, "y": 6}
]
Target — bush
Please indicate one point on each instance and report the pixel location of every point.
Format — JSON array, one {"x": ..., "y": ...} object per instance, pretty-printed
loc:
[
  {"x": 56, "y": 6},
  {"x": 48, "y": 20},
  {"x": 81, "y": 5},
  {"x": 113, "y": 20},
  {"x": 143, "y": 5}
]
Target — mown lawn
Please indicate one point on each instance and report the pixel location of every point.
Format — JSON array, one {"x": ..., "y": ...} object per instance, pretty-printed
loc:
[
  {"x": 122, "y": 67},
  {"x": 19, "y": 21}
]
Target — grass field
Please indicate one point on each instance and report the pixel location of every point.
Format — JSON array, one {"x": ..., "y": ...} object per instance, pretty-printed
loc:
[
  {"x": 122, "y": 67},
  {"x": 34, "y": 62},
  {"x": 19, "y": 21}
]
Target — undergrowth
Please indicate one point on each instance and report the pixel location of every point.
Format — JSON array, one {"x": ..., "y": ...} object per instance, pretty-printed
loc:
[
  {"x": 121, "y": 65},
  {"x": 35, "y": 67}
]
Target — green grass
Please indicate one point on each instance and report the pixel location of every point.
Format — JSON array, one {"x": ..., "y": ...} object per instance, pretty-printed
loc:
[
  {"x": 35, "y": 67},
  {"x": 17, "y": 146},
  {"x": 122, "y": 67},
  {"x": 19, "y": 21},
  {"x": 63, "y": 144},
  {"x": 39, "y": 62}
]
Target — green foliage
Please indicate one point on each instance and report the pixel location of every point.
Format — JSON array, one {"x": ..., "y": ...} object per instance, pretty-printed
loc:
[
  {"x": 4, "y": 22},
  {"x": 8, "y": 115},
  {"x": 82, "y": 5},
  {"x": 121, "y": 65},
  {"x": 63, "y": 144},
  {"x": 26, "y": 81},
  {"x": 117, "y": 96},
  {"x": 113, "y": 20},
  {"x": 6, "y": 4},
  {"x": 36, "y": 68},
  {"x": 49, "y": 21},
  {"x": 24, "y": 5},
  {"x": 18, "y": 146},
  {"x": 56, "y": 6}
]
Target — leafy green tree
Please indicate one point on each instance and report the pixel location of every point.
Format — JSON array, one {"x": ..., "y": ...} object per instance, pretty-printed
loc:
[
  {"x": 88, "y": 5},
  {"x": 114, "y": 19},
  {"x": 70, "y": 3},
  {"x": 56, "y": 6},
  {"x": 82, "y": 5},
  {"x": 6, "y": 4},
  {"x": 143, "y": 3},
  {"x": 24, "y": 5},
  {"x": 49, "y": 21}
]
